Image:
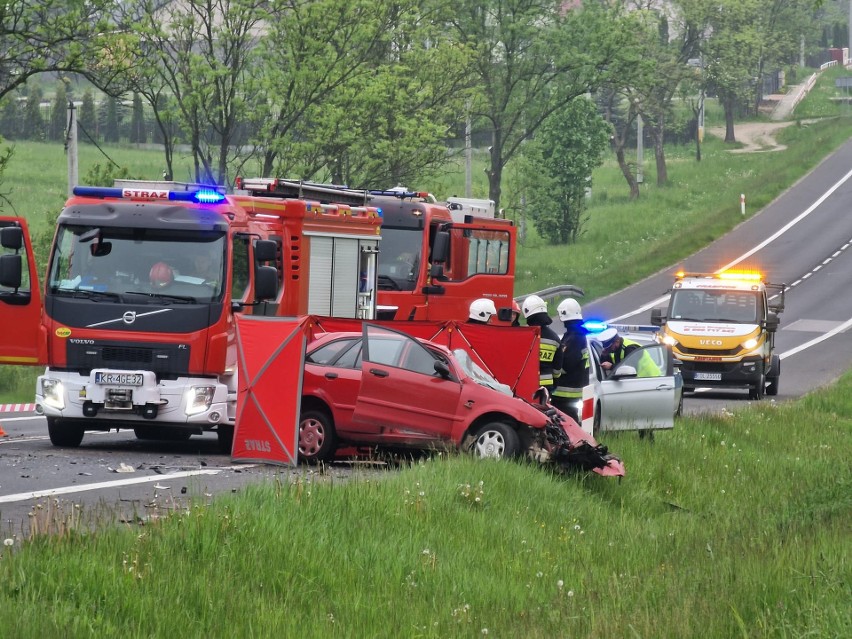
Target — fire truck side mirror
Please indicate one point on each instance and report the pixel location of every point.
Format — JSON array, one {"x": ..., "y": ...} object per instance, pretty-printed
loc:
[
  {"x": 12, "y": 237},
  {"x": 265, "y": 251},
  {"x": 10, "y": 271},
  {"x": 657, "y": 317},
  {"x": 441, "y": 247},
  {"x": 265, "y": 282}
]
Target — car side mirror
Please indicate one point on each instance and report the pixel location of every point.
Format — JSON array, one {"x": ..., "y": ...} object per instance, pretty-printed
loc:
[
  {"x": 442, "y": 369},
  {"x": 624, "y": 372},
  {"x": 657, "y": 317}
]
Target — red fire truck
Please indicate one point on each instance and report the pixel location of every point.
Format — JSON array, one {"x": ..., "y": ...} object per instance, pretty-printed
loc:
[
  {"x": 136, "y": 319},
  {"x": 435, "y": 258}
]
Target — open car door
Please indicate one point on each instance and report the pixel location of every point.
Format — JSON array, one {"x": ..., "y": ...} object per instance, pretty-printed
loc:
[
  {"x": 22, "y": 338},
  {"x": 638, "y": 394},
  {"x": 401, "y": 390}
]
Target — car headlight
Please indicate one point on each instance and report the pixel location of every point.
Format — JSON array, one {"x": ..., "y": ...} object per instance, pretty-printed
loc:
[
  {"x": 749, "y": 344},
  {"x": 198, "y": 399},
  {"x": 53, "y": 392},
  {"x": 668, "y": 339}
]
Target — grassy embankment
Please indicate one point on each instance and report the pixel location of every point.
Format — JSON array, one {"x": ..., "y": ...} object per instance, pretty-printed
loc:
[{"x": 727, "y": 526}]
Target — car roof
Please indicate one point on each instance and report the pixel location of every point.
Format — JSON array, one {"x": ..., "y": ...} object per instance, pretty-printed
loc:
[{"x": 324, "y": 338}]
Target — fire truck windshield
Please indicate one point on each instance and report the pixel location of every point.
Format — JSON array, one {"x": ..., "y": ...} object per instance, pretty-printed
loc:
[
  {"x": 399, "y": 260},
  {"x": 739, "y": 306},
  {"x": 121, "y": 261}
]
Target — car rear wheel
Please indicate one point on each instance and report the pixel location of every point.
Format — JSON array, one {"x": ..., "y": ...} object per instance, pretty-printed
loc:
[
  {"x": 65, "y": 433},
  {"x": 496, "y": 440},
  {"x": 317, "y": 437}
]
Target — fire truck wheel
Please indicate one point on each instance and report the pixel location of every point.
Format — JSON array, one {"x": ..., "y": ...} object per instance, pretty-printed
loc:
[
  {"x": 496, "y": 440},
  {"x": 317, "y": 437},
  {"x": 65, "y": 433},
  {"x": 225, "y": 435}
]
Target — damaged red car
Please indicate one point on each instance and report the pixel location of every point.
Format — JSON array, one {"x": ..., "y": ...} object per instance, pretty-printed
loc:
[{"x": 383, "y": 388}]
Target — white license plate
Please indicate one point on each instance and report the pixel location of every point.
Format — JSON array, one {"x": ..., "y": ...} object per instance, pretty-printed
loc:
[
  {"x": 709, "y": 377},
  {"x": 119, "y": 379}
]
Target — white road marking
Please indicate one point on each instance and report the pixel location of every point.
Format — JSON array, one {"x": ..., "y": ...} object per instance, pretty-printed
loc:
[{"x": 65, "y": 490}]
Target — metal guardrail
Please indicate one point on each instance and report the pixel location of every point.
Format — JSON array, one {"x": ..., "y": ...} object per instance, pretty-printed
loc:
[{"x": 563, "y": 290}]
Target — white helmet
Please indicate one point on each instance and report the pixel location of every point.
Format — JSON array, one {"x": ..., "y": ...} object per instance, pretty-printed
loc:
[
  {"x": 482, "y": 309},
  {"x": 569, "y": 309},
  {"x": 532, "y": 305}
]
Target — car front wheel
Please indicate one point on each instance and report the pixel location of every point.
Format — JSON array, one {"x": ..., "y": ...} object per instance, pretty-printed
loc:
[
  {"x": 496, "y": 440},
  {"x": 317, "y": 437}
]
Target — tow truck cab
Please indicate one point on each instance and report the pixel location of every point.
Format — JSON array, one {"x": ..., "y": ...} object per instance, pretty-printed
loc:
[{"x": 721, "y": 327}]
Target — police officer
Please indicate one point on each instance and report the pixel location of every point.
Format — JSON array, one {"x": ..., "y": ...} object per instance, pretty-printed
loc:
[
  {"x": 481, "y": 311},
  {"x": 549, "y": 355},
  {"x": 616, "y": 348},
  {"x": 574, "y": 374}
]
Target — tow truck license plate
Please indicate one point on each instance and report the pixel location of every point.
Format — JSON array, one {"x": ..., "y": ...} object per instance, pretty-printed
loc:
[
  {"x": 709, "y": 377},
  {"x": 121, "y": 379}
]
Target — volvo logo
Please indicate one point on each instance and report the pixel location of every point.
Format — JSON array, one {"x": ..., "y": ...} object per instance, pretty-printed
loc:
[{"x": 129, "y": 317}]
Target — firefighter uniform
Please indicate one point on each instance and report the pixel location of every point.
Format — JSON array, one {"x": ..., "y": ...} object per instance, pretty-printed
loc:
[{"x": 574, "y": 372}]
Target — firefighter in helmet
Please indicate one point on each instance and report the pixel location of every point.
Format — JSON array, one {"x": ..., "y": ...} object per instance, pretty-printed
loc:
[
  {"x": 549, "y": 355},
  {"x": 481, "y": 311},
  {"x": 574, "y": 374},
  {"x": 516, "y": 313}
]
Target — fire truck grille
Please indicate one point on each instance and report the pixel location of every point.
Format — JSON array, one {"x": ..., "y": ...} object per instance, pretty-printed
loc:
[
  {"x": 162, "y": 359},
  {"x": 135, "y": 355}
]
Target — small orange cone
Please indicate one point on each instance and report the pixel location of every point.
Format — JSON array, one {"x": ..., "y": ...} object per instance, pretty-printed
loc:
[{"x": 2, "y": 432}]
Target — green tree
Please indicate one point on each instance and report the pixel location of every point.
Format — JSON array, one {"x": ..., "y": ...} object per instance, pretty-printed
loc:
[
  {"x": 110, "y": 117},
  {"x": 11, "y": 116},
  {"x": 33, "y": 120},
  {"x": 531, "y": 58},
  {"x": 138, "y": 134},
  {"x": 58, "y": 114},
  {"x": 556, "y": 168},
  {"x": 48, "y": 35},
  {"x": 88, "y": 118}
]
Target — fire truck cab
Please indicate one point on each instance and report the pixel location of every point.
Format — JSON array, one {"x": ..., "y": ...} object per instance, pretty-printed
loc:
[
  {"x": 143, "y": 282},
  {"x": 721, "y": 327}
]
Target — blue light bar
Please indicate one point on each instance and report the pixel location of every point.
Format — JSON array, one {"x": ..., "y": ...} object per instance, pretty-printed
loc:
[
  {"x": 202, "y": 196},
  {"x": 595, "y": 326}
]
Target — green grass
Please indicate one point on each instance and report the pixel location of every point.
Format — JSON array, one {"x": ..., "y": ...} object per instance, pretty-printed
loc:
[{"x": 727, "y": 526}]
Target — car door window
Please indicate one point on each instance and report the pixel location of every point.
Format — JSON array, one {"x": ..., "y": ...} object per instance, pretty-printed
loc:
[
  {"x": 648, "y": 361},
  {"x": 328, "y": 353},
  {"x": 419, "y": 359}
]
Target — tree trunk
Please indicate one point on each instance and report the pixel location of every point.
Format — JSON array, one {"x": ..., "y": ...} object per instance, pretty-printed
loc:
[
  {"x": 728, "y": 103},
  {"x": 495, "y": 172},
  {"x": 627, "y": 173},
  {"x": 660, "y": 156}
]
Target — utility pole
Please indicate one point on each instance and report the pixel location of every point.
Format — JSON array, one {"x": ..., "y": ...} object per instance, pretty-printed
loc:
[
  {"x": 71, "y": 148},
  {"x": 468, "y": 155}
]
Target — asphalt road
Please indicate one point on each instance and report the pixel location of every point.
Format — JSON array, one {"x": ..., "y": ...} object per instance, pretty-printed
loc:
[{"x": 803, "y": 239}]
